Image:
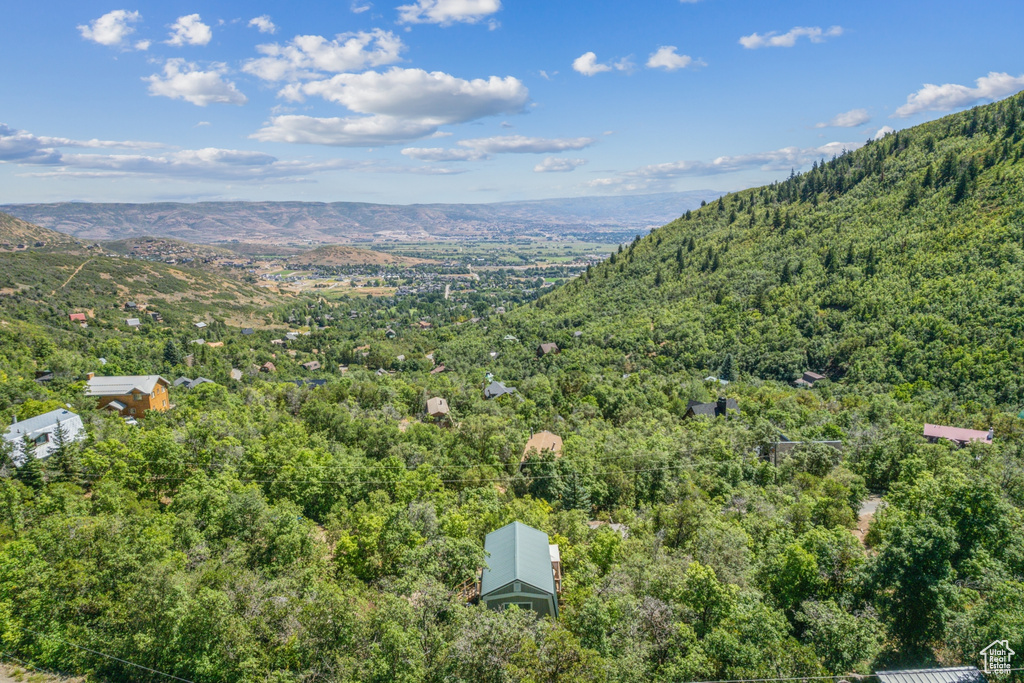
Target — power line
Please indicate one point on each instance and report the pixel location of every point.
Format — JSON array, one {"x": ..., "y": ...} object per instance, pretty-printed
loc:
[
  {"x": 29, "y": 664},
  {"x": 443, "y": 481},
  {"x": 103, "y": 654},
  {"x": 397, "y": 468}
]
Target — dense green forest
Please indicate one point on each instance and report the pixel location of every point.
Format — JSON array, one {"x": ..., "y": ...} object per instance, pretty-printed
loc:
[
  {"x": 268, "y": 530},
  {"x": 899, "y": 264}
]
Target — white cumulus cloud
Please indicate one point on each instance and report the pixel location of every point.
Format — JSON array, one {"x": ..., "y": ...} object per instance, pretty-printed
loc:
[
  {"x": 588, "y": 65},
  {"x": 186, "y": 81},
  {"x": 477, "y": 149},
  {"x": 950, "y": 96},
  {"x": 310, "y": 56},
  {"x": 668, "y": 59},
  {"x": 882, "y": 132},
  {"x": 189, "y": 30},
  {"x": 659, "y": 176},
  {"x": 263, "y": 24},
  {"x": 848, "y": 119},
  {"x": 558, "y": 165},
  {"x": 447, "y": 12},
  {"x": 441, "y": 154},
  {"x": 521, "y": 144},
  {"x": 357, "y": 131},
  {"x": 112, "y": 29},
  {"x": 775, "y": 39},
  {"x": 432, "y": 96},
  {"x": 24, "y": 147}
]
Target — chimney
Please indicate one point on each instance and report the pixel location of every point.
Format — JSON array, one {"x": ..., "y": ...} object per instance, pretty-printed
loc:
[
  {"x": 90, "y": 375},
  {"x": 720, "y": 406},
  {"x": 991, "y": 433}
]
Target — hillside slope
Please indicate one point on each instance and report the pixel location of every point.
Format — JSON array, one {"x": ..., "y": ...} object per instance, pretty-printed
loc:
[
  {"x": 15, "y": 232},
  {"x": 899, "y": 263},
  {"x": 36, "y": 285}
]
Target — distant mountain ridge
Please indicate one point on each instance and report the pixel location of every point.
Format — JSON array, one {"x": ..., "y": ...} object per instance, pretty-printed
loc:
[{"x": 605, "y": 218}]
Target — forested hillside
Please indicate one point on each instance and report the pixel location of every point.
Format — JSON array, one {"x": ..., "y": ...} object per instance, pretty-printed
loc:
[
  {"x": 901, "y": 263},
  {"x": 308, "y": 521}
]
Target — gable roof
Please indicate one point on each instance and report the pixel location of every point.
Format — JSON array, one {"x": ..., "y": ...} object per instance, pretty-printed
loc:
[
  {"x": 711, "y": 409},
  {"x": 517, "y": 552},
  {"x": 543, "y": 441},
  {"x": 496, "y": 389},
  {"x": 956, "y": 434},
  {"x": 122, "y": 385},
  {"x": 956, "y": 674},
  {"x": 545, "y": 349},
  {"x": 437, "y": 405},
  {"x": 39, "y": 422}
]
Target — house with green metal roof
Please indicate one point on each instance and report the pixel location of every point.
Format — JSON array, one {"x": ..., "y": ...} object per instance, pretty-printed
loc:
[{"x": 523, "y": 569}]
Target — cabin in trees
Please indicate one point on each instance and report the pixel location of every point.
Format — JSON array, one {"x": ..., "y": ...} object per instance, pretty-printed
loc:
[
  {"x": 496, "y": 389},
  {"x": 437, "y": 408},
  {"x": 808, "y": 379},
  {"x": 720, "y": 407},
  {"x": 961, "y": 437},
  {"x": 523, "y": 569},
  {"x": 129, "y": 395},
  {"x": 547, "y": 349},
  {"x": 312, "y": 365},
  {"x": 542, "y": 442},
  {"x": 77, "y": 317},
  {"x": 41, "y": 430},
  {"x": 187, "y": 383}
]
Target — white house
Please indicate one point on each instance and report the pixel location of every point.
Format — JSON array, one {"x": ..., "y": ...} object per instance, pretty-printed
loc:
[{"x": 42, "y": 430}]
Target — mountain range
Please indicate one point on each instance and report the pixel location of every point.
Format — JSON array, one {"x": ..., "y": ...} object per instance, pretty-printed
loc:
[{"x": 607, "y": 219}]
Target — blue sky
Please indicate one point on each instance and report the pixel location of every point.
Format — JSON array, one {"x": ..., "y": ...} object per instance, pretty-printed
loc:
[{"x": 471, "y": 100}]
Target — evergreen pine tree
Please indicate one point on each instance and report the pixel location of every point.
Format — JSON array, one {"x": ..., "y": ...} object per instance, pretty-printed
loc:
[
  {"x": 172, "y": 354},
  {"x": 727, "y": 370},
  {"x": 31, "y": 471},
  {"x": 575, "y": 495},
  {"x": 961, "y": 189}
]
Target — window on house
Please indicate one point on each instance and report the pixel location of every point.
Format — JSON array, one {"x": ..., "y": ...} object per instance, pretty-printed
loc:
[
  {"x": 137, "y": 397},
  {"x": 152, "y": 395},
  {"x": 520, "y": 605},
  {"x": 131, "y": 411},
  {"x": 165, "y": 404}
]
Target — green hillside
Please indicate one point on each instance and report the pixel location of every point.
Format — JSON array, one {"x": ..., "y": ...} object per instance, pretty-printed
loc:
[
  {"x": 898, "y": 263},
  {"x": 16, "y": 234},
  {"x": 40, "y": 285}
]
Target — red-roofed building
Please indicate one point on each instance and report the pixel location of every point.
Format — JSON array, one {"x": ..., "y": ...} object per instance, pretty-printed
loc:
[
  {"x": 960, "y": 437},
  {"x": 77, "y": 317}
]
